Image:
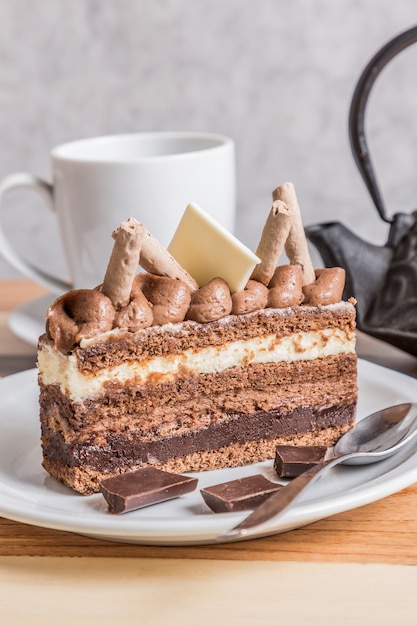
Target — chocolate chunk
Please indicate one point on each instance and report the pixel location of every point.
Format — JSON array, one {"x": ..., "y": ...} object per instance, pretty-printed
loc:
[
  {"x": 291, "y": 461},
  {"x": 145, "y": 486},
  {"x": 240, "y": 494}
]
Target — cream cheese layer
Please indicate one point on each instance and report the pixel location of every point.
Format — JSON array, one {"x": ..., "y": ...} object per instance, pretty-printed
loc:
[{"x": 56, "y": 368}]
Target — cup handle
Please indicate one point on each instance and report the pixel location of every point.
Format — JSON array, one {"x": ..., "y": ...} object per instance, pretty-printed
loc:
[{"x": 21, "y": 180}]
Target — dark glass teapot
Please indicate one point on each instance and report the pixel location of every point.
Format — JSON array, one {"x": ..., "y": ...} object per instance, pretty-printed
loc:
[{"x": 383, "y": 279}]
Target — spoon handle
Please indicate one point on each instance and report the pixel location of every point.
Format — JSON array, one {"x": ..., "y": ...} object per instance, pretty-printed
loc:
[{"x": 280, "y": 500}]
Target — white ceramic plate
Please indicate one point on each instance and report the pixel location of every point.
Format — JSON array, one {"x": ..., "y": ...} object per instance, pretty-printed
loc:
[
  {"x": 28, "y": 321},
  {"x": 28, "y": 494}
]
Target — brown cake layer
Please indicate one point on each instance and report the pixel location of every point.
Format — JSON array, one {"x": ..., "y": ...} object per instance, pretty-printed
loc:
[
  {"x": 122, "y": 347},
  {"x": 237, "y": 440},
  {"x": 154, "y": 409}
]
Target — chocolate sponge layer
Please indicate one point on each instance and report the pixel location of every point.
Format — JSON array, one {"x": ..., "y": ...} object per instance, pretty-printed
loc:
[
  {"x": 233, "y": 423},
  {"x": 236, "y": 441},
  {"x": 190, "y": 401},
  {"x": 125, "y": 347}
]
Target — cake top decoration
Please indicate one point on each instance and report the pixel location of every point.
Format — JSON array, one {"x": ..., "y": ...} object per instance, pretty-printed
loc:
[
  {"x": 205, "y": 275},
  {"x": 207, "y": 250}
]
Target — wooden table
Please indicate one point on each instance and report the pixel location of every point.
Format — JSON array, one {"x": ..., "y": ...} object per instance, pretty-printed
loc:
[{"x": 355, "y": 565}]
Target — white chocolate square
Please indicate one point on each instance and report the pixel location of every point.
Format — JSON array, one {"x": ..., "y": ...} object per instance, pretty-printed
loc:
[{"x": 207, "y": 250}]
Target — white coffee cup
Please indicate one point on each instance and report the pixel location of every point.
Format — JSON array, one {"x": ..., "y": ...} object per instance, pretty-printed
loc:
[{"x": 99, "y": 182}]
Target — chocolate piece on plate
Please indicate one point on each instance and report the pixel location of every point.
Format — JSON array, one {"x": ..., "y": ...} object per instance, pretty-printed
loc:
[
  {"x": 142, "y": 487},
  {"x": 291, "y": 461},
  {"x": 240, "y": 494}
]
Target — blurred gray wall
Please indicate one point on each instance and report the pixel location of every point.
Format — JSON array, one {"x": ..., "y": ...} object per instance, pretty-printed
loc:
[{"x": 275, "y": 75}]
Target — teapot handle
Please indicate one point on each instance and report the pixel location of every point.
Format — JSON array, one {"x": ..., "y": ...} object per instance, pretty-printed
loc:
[{"x": 357, "y": 137}]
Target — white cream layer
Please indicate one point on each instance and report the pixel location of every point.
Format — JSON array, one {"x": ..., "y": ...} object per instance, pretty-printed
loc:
[{"x": 56, "y": 368}]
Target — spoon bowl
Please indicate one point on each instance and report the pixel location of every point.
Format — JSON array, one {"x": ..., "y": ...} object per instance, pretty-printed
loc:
[
  {"x": 371, "y": 439},
  {"x": 378, "y": 435}
]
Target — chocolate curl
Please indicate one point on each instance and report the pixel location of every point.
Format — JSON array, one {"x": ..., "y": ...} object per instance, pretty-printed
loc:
[
  {"x": 273, "y": 238},
  {"x": 155, "y": 259},
  {"x": 296, "y": 245},
  {"x": 123, "y": 262}
]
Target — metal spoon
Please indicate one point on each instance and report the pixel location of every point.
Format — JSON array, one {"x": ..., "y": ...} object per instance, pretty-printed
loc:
[{"x": 372, "y": 439}]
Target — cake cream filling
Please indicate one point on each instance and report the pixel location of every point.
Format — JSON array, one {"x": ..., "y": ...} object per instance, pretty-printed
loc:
[{"x": 57, "y": 368}]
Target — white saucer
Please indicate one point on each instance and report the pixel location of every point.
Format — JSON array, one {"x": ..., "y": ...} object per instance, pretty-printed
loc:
[{"x": 28, "y": 321}]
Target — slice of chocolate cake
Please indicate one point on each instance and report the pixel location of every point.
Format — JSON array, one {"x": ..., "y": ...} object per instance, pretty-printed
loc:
[{"x": 152, "y": 370}]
